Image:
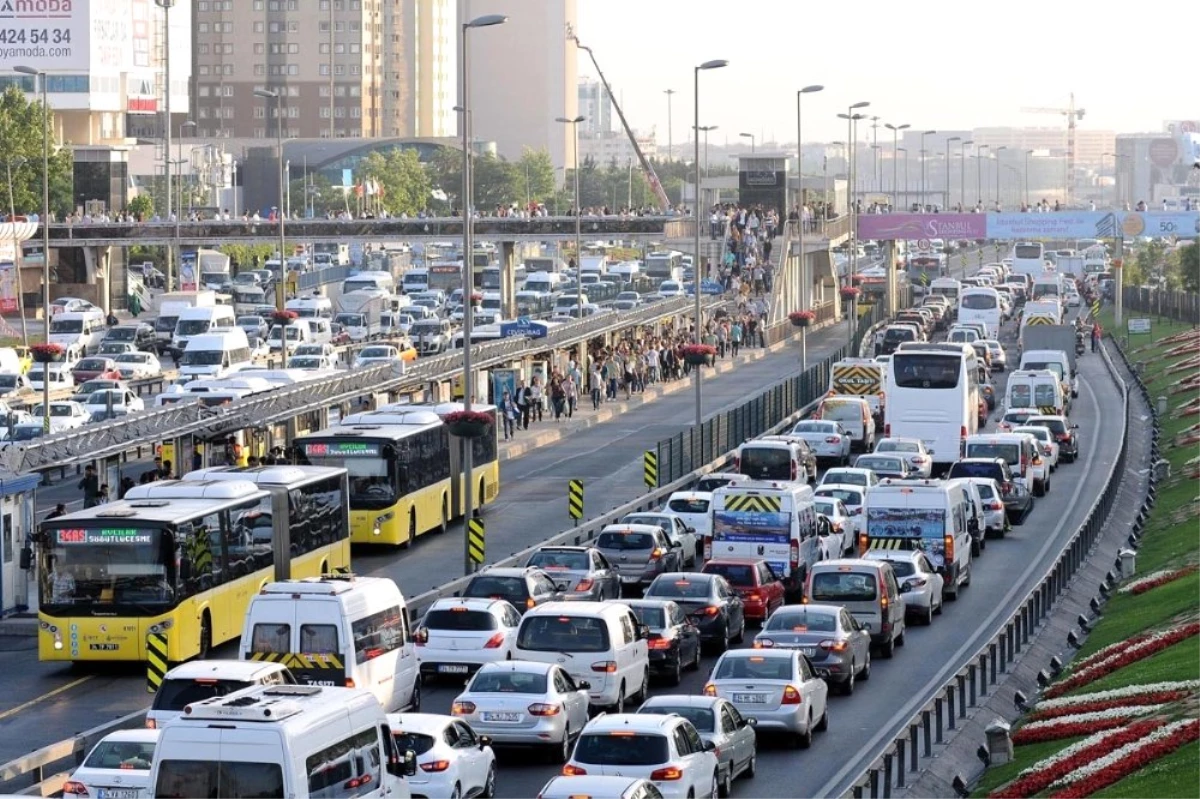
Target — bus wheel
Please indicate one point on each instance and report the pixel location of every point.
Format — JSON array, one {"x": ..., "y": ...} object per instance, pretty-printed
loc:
[
  {"x": 324, "y": 568},
  {"x": 412, "y": 529},
  {"x": 445, "y": 525},
  {"x": 205, "y": 636},
  {"x": 480, "y": 496}
]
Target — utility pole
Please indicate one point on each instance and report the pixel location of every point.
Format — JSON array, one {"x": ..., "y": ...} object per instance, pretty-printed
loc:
[{"x": 670, "y": 93}]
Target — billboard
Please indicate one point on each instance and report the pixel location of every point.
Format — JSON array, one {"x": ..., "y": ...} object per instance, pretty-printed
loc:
[
  {"x": 51, "y": 35},
  {"x": 922, "y": 226},
  {"x": 1057, "y": 226}
]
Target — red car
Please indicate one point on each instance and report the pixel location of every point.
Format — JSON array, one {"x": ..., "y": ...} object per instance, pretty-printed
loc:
[
  {"x": 95, "y": 367},
  {"x": 759, "y": 587}
]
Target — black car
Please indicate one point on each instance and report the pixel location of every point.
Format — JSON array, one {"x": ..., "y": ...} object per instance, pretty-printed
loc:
[
  {"x": 139, "y": 334},
  {"x": 894, "y": 336},
  {"x": 709, "y": 601},
  {"x": 524, "y": 588},
  {"x": 1018, "y": 502},
  {"x": 674, "y": 643},
  {"x": 1063, "y": 432}
]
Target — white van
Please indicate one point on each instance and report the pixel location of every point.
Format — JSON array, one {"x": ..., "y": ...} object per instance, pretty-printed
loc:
[
  {"x": 338, "y": 630},
  {"x": 931, "y": 515},
  {"x": 83, "y": 330},
  {"x": 415, "y": 280},
  {"x": 58, "y": 374},
  {"x": 1057, "y": 362},
  {"x": 603, "y": 643},
  {"x": 854, "y": 414},
  {"x": 544, "y": 282},
  {"x": 201, "y": 321},
  {"x": 10, "y": 362},
  {"x": 215, "y": 355},
  {"x": 204, "y": 679},
  {"x": 774, "y": 458},
  {"x": 869, "y": 590},
  {"x": 282, "y": 740},
  {"x": 312, "y": 307},
  {"x": 382, "y": 281},
  {"x": 1038, "y": 389}
]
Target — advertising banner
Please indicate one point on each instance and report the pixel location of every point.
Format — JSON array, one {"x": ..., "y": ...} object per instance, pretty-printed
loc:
[
  {"x": 1057, "y": 226},
  {"x": 914, "y": 227},
  {"x": 48, "y": 35},
  {"x": 768, "y": 532},
  {"x": 8, "y": 287}
]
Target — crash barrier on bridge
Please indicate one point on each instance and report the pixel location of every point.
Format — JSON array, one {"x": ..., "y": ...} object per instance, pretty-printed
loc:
[
  {"x": 687, "y": 451},
  {"x": 146, "y": 386},
  {"x": 1182, "y": 306},
  {"x": 106, "y": 439},
  {"x": 310, "y": 281},
  {"x": 897, "y": 763}
]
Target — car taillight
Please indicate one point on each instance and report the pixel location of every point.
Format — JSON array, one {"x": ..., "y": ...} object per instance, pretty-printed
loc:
[
  {"x": 862, "y": 544},
  {"x": 762, "y": 643},
  {"x": 962, "y": 431},
  {"x": 711, "y": 610},
  {"x": 1063, "y": 437},
  {"x": 151, "y": 724},
  {"x": 710, "y": 690},
  {"x": 794, "y": 554},
  {"x": 495, "y": 641},
  {"x": 833, "y": 440},
  {"x": 72, "y": 788},
  {"x": 530, "y": 602},
  {"x": 605, "y": 666},
  {"x": 421, "y": 636},
  {"x": 658, "y": 642},
  {"x": 887, "y": 429},
  {"x": 1045, "y": 449},
  {"x": 543, "y": 709},
  {"x": 917, "y": 583},
  {"x": 585, "y": 584},
  {"x": 435, "y": 766},
  {"x": 833, "y": 646},
  {"x": 753, "y": 596},
  {"x": 668, "y": 774},
  {"x": 949, "y": 544},
  {"x": 883, "y": 597},
  {"x": 795, "y": 471},
  {"x": 462, "y": 708},
  {"x": 657, "y": 553},
  {"x": 994, "y": 505},
  {"x": 737, "y": 463},
  {"x": 708, "y": 548},
  {"x": 791, "y": 695},
  {"x": 918, "y": 459}
]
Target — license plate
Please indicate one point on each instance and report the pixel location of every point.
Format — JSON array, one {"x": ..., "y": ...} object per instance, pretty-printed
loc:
[
  {"x": 749, "y": 699},
  {"x": 451, "y": 668},
  {"x": 628, "y": 579},
  {"x": 104, "y": 648},
  {"x": 808, "y": 651},
  {"x": 489, "y": 716},
  {"x": 118, "y": 793}
]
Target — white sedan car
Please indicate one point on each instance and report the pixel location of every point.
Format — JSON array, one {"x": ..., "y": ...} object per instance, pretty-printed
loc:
[
  {"x": 452, "y": 761},
  {"x": 64, "y": 415},
  {"x": 920, "y": 584},
  {"x": 375, "y": 355},
  {"x": 694, "y": 508},
  {"x": 117, "y": 767},
  {"x": 919, "y": 457},
  {"x": 828, "y": 440},
  {"x": 122, "y": 401},
  {"x": 599, "y": 787},
  {"x": 138, "y": 365},
  {"x": 843, "y": 528},
  {"x": 779, "y": 688},
  {"x": 458, "y": 635},
  {"x": 1046, "y": 443}
]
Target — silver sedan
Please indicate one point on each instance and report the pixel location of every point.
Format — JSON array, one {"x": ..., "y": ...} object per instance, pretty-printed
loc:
[
  {"x": 521, "y": 703},
  {"x": 828, "y": 440},
  {"x": 779, "y": 688},
  {"x": 719, "y": 723},
  {"x": 920, "y": 584},
  {"x": 581, "y": 573},
  {"x": 919, "y": 457}
]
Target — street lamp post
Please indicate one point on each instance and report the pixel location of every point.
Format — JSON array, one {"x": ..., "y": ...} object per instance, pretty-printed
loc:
[
  {"x": 979, "y": 156},
  {"x": 1029, "y": 153},
  {"x": 923, "y": 135},
  {"x": 277, "y": 96},
  {"x": 805, "y": 280},
  {"x": 670, "y": 93},
  {"x": 749, "y": 136},
  {"x": 895, "y": 129},
  {"x": 574, "y": 123},
  {"x": 852, "y": 168},
  {"x": 997, "y": 151},
  {"x": 962, "y": 174},
  {"x": 179, "y": 158},
  {"x": 696, "y": 264},
  {"x": 45, "y": 222},
  {"x": 905, "y": 151},
  {"x": 485, "y": 21},
  {"x": 946, "y": 206},
  {"x": 705, "y": 129}
]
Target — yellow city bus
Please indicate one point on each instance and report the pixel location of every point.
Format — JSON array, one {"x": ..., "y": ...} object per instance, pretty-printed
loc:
[
  {"x": 406, "y": 476},
  {"x": 183, "y": 558}
]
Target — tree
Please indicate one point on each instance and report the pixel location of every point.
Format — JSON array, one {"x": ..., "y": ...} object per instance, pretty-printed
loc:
[
  {"x": 141, "y": 206},
  {"x": 535, "y": 171},
  {"x": 21, "y": 127},
  {"x": 247, "y": 256},
  {"x": 323, "y": 196},
  {"x": 403, "y": 180},
  {"x": 1189, "y": 267},
  {"x": 496, "y": 180}
]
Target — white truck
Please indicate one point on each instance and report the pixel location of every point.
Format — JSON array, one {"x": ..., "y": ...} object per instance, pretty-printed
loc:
[
  {"x": 214, "y": 267},
  {"x": 171, "y": 303},
  {"x": 360, "y": 313},
  {"x": 860, "y": 377}
]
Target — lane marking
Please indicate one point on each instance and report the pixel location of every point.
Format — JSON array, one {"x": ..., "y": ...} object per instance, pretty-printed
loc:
[
  {"x": 48, "y": 695},
  {"x": 955, "y": 662}
]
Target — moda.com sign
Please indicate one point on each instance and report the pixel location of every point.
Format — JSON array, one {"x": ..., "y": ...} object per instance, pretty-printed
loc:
[{"x": 49, "y": 35}]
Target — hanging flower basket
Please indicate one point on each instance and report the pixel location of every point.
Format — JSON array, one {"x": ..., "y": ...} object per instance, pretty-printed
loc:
[
  {"x": 699, "y": 354},
  {"x": 467, "y": 424},
  {"x": 284, "y": 317},
  {"x": 802, "y": 318},
  {"x": 856, "y": 279},
  {"x": 849, "y": 292},
  {"x": 47, "y": 353},
  {"x": 476, "y": 299}
]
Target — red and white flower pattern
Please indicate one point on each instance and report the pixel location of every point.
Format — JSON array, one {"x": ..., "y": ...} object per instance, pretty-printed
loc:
[
  {"x": 1148, "y": 694},
  {"x": 1155, "y": 579},
  {"x": 1119, "y": 763},
  {"x": 1134, "y": 650},
  {"x": 1054, "y": 729}
]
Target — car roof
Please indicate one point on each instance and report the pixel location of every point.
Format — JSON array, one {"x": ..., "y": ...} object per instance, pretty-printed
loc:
[
  {"x": 470, "y": 603},
  {"x": 419, "y": 722},
  {"x": 684, "y": 700},
  {"x": 528, "y": 666},
  {"x": 1045, "y": 417},
  {"x": 749, "y": 653},
  {"x": 892, "y": 554},
  {"x": 508, "y": 571},
  {"x": 635, "y": 528},
  {"x": 691, "y": 494},
  {"x": 562, "y": 548},
  {"x": 738, "y": 561},
  {"x": 635, "y": 722},
  {"x": 222, "y": 669},
  {"x": 842, "y": 486},
  {"x": 699, "y": 577},
  {"x": 135, "y": 734}
]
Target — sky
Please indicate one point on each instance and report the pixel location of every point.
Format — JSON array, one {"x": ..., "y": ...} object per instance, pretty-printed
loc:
[{"x": 933, "y": 64}]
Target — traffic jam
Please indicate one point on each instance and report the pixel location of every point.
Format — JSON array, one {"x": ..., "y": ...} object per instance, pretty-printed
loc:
[{"x": 655, "y": 659}]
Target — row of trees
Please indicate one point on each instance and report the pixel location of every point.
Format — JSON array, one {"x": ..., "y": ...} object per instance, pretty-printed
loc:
[
  {"x": 21, "y": 126},
  {"x": 1173, "y": 268}
]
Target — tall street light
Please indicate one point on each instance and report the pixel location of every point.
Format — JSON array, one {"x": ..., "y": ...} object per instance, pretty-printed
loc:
[
  {"x": 749, "y": 136},
  {"x": 717, "y": 63},
  {"x": 852, "y": 145},
  {"x": 45, "y": 221},
  {"x": 705, "y": 130},
  {"x": 1029, "y": 153},
  {"x": 962, "y": 174},
  {"x": 277, "y": 96},
  {"x": 979, "y": 156},
  {"x": 574, "y": 123},
  {"x": 997, "y": 151},
  {"x": 485, "y": 21},
  {"x": 670, "y": 138},
  {"x": 905, "y": 151},
  {"x": 923, "y": 135},
  {"x": 946, "y": 206},
  {"x": 805, "y": 280},
  {"x": 895, "y": 129},
  {"x": 852, "y": 168}
]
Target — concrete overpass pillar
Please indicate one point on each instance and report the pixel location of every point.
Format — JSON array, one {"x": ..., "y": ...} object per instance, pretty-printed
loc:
[
  {"x": 889, "y": 260},
  {"x": 508, "y": 289}
]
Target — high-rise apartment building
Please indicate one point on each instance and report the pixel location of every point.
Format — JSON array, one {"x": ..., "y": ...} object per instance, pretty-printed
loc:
[
  {"x": 523, "y": 76},
  {"x": 596, "y": 106}
]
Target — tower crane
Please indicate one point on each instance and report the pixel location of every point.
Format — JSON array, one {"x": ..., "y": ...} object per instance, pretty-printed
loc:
[{"x": 1072, "y": 114}]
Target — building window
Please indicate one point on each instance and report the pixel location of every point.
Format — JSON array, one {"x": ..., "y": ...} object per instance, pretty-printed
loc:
[
  {"x": 258, "y": 27},
  {"x": 355, "y": 69},
  {"x": 355, "y": 91},
  {"x": 356, "y": 112},
  {"x": 293, "y": 91},
  {"x": 203, "y": 69},
  {"x": 259, "y": 48},
  {"x": 324, "y": 6},
  {"x": 203, "y": 49},
  {"x": 324, "y": 69},
  {"x": 293, "y": 49},
  {"x": 324, "y": 110},
  {"x": 202, "y": 5},
  {"x": 339, "y": 49},
  {"x": 260, "y": 133},
  {"x": 323, "y": 27},
  {"x": 259, "y": 69},
  {"x": 339, "y": 91},
  {"x": 202, "y": 27},
  {"x": 258, "y": 5},
  {"x": 260, "y": 112},
  {"x": 355, "y": 47},
  {"x": 202, "y": 91},
  {"x": 202, "y": 112},
  {"x": 339, "y": 27},
  {"x": 227, "y": 91},
  {"x": 323, "y": 91},
  {"x": 293, "y": 69},
  {"x": 323, "y": 49}
]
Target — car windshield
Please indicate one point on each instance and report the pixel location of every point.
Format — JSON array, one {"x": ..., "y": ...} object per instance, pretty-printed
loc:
[
  {"x": 417, "y": 743},
  {"x": 879, "y": 464},
  {"x": 1010, "y": 453},
  {"x": 625, "y": 540},
  {"x": 122, "y": 755},
  {"x": 823, "y": 428},
  {"x": 825, "y": 508},
  {"x": 621, "y": 748},
  {"x": 66, "y": 326},
  {"x": 679, "y": 589},
  {"x": 121, "y": 334},
  {"x": 9, "y": 381},
  {"x": 460, "y": 619},
  {"x": 1054, "y": 425},
  {"x": 91, "y": 365},
  {"x": 926, "y": 370},
  {"x": 988, "y": 470},
  {"x": 841, "y": 411},
  {"x": 563, "y": 634},
  {"x": 802, "y": 621},
  {"x": 766, "y": 462},
  {"x": 490, "y": 586},
  {"x": 838, "y": 587},
  {"x": 701, "y": 718},
  {"x": 847, "y": 496},
  {"x": 985, "y": 490},
  {"x": 740, "y": 574},
  {"x": 688, "y": 505},
  {"x": 850, "y": 478},
  {"x": 375, "y": 352},
  {"x": 560, "y": 560},
  {"x": 897, "y": 446},
  {"x": 978, "y": 302},
  {"x": 754, "y": 667},
  {"x": 654, "y": 618},
  {"x": 202, "y": 357},
  {"x": 131, "y": 357},
  {"x": 174, "y": 695},
  {"x": 508, "y": 682},
  {"x": 1040, "y": 433},
  {"x": 903, "y": 568}
]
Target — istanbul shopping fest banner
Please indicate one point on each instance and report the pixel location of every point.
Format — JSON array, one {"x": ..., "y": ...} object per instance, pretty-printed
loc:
[{"x": 1057, "y": 226}]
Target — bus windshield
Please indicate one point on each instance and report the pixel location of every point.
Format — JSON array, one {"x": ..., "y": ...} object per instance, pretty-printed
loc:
[
  {"x": 373, "y": 477},
  {"x": 978, "y": 302},
  {"x": 1028, "y": 251},
  {"x": 926, "y": 370},
  {"x": 110, "y": 565}
]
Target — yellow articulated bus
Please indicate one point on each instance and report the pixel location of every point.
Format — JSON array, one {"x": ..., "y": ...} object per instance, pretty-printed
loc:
[
  {"x": 182, "y": 558},
  {"x": 406, "y": 475}
]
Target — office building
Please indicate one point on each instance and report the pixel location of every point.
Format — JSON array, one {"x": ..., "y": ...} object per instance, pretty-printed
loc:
[
  {"x": 1090, "y": 145},
  {"x": 523, "y": 76},
  {"x": 597, "y": 106},
  {"x": 614, "y": 147}
]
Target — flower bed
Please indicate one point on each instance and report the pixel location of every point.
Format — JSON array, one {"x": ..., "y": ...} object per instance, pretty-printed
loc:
[
  {"x": 1076, "y": 724},
  {"x": 699, "y": 354},
  {"x": 1040, "y": 775},
  {"x": 1183, "y": 687},
  {"x": 1120, "y": 763},
  {"x": 1155, "y": 579},
  {"x": 1100, "y": 705},
  {"x": 1122, "y": 655},
  {"x": 467, "y": 424}
]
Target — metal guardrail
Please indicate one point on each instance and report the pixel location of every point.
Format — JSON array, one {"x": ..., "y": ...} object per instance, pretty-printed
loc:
[
  {"x": 901, "y": 758},
  {"x": 43, "y": 771}
]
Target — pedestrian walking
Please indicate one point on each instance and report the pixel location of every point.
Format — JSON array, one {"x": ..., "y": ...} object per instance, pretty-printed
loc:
[
  {"x": 1096, "y": 334},
  {"x": 523, "y": 401},
  {"x": 90, "y": 486},
  {"x": 509, "y": 413}
]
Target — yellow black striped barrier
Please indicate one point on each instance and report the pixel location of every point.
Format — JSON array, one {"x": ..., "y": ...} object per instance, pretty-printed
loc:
[
  {"x": 1048, "y": 410},
  {"x": 857, "y": 380},
  {"x": 302, "y": 660},
  {"x": 156, "y": 661},
  {"x": 752, "y": 502},
  {"x": 890, "y": 543},
  {"x": 650, "y": 469},
  {"x": 476, "y": 541},
  {"x": 575, "y": 499},
  {"x": 1040, "y": 320},
  {"x": 1095, "y": 309}
]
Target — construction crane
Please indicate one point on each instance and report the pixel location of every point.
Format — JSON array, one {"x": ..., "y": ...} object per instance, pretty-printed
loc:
[
  {"x": 1072, "y": 114},
  {"x": 664, "y": 202}
]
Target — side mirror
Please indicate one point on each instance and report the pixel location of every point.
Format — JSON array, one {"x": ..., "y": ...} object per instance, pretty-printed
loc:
[
  {"x": 643, "y": 632},
  {"x": 749, "y": 721},
  {"x": 691, "y": 529},
  {"x": 406, "y": 766},
  {"x": 709, "y": 746},
  {"x": 676, "y": 545},
  {"x": 582, "y": 685},
  {"x": 1074, "y": 427},
  {"x": 485, "y": 741}
]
